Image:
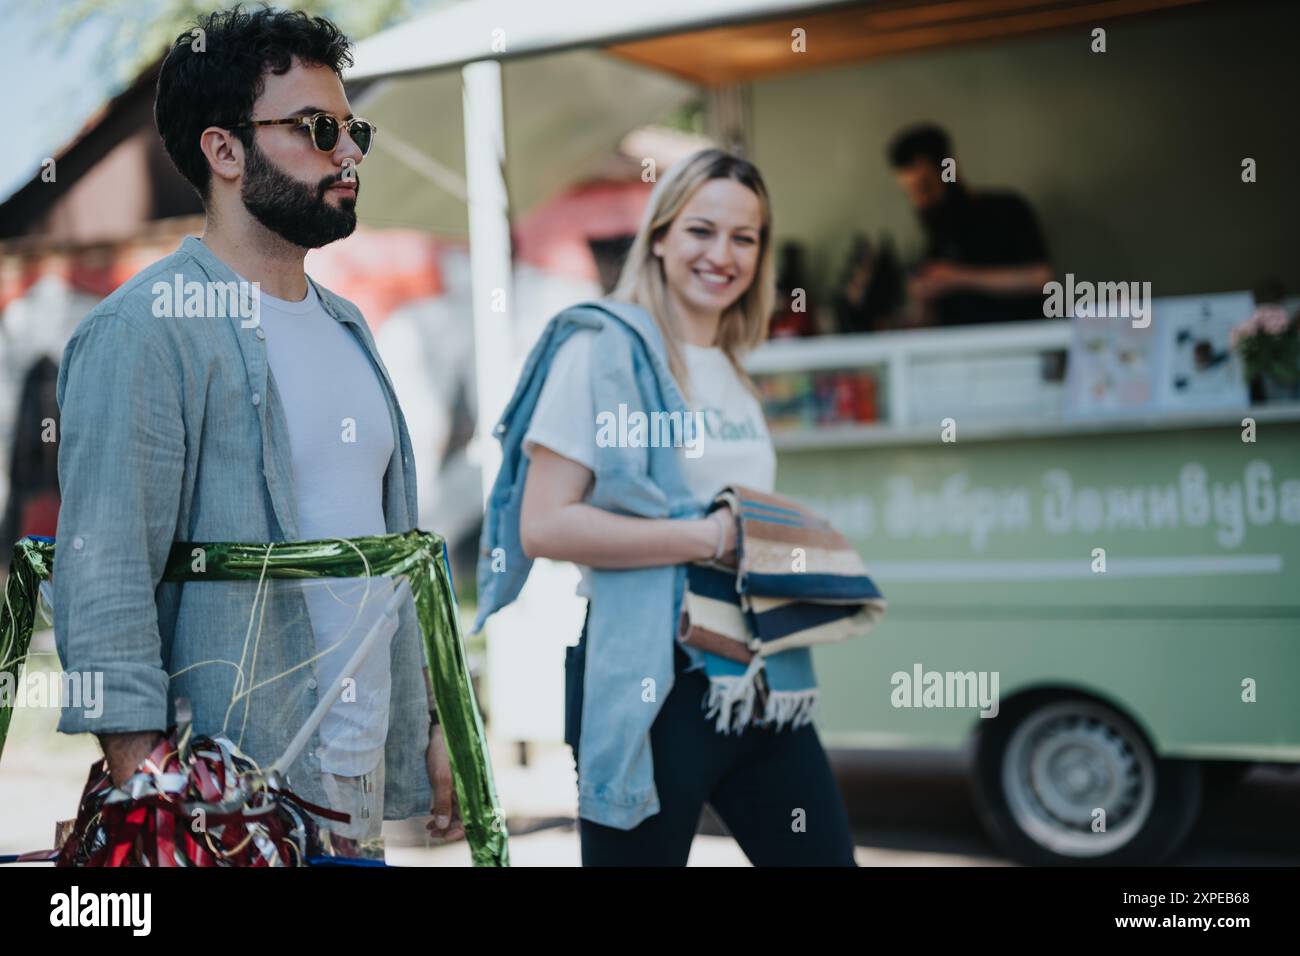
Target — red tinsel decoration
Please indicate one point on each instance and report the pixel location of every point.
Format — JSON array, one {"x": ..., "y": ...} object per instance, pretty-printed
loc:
[{"x": 196, "y": 802}]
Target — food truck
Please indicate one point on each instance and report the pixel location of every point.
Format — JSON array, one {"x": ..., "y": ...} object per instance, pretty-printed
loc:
[
  {"x": 1086, "y": 533},
  {"x": 1105, "y": 606}
]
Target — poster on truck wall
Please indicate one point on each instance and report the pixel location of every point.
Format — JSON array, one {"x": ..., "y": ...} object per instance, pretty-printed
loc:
[
  {"x": 1201, "y": 369},
  {"x": 1173, "y": 356}
]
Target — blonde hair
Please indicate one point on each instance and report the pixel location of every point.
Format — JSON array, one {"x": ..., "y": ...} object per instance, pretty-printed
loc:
[{"x": 642, "y": 282}]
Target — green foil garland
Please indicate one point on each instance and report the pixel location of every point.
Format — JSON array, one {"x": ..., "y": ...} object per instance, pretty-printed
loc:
[
  {"x": 419, "y": 555},
  {"x": 31, "y": 563}
]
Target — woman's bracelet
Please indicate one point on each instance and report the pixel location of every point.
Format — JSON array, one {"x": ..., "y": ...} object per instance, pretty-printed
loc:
[{"x": 722, "y": 537}]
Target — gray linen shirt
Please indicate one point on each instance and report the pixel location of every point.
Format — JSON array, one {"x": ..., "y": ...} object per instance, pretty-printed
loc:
[{"x": 172, "y": 430}]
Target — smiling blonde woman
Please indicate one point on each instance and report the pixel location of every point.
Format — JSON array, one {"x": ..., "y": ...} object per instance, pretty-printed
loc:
[{"x": 695, "y": 294}]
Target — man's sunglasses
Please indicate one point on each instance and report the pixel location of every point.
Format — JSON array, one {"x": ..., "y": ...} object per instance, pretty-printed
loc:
[{"x": 324, "y": 130}]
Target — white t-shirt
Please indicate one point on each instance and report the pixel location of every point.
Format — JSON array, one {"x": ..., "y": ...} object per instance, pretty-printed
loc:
[
  {"x": 735, "y": 444},
  {"x": 341, "y": 438}
]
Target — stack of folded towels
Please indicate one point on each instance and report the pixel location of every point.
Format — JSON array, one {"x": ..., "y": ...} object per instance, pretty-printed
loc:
[{"x": 795, "y": 582}]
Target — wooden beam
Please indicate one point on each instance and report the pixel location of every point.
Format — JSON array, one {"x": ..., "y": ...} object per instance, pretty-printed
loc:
[{"x": 726, "y": 55}]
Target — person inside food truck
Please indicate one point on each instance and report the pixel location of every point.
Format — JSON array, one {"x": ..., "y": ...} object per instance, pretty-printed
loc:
[{"x": 986, "y": 259}]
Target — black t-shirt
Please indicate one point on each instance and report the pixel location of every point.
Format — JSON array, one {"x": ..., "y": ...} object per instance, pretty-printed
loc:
[{"x": 985, "y": 229}]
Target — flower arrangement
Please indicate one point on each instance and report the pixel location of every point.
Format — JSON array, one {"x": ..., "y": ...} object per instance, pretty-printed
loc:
[{"x": 1269, "y": 343}]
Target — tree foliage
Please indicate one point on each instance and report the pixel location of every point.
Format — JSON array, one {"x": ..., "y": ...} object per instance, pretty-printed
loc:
[{"x": 140, "y": 31}]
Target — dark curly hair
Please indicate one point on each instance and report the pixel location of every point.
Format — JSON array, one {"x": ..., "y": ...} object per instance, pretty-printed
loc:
[
  {"x": 923, "y": 141},
  {"x": 219, "y": 84}
]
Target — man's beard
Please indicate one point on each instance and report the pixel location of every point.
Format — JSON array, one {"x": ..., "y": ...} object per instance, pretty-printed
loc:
[{"x": 293, "y": 210}]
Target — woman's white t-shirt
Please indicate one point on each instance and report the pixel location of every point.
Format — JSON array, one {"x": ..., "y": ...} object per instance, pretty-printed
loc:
[{"x": 735, "y": 446}]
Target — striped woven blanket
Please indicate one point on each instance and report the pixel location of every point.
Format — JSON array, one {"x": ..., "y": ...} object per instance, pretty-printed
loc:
[{"x": 795, "y": 582}]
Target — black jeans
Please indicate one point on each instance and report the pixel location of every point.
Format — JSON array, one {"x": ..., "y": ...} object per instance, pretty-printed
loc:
[{"x": 774, "y": 790}]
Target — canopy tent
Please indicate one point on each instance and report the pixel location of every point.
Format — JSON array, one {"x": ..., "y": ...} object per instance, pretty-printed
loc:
[
  {"x": 506, "y": 29},
  {"x": 564, "y": 113}
]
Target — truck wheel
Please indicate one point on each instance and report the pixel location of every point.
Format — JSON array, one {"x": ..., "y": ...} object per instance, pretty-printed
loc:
[{"x": 1068, "y": 780}]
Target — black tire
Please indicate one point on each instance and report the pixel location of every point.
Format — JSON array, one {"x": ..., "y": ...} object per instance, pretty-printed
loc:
[{"x": 1034, "y": 808}]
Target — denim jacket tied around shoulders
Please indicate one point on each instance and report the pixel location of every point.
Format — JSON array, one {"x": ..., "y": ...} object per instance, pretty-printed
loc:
[{"x": 630, "y": 632}]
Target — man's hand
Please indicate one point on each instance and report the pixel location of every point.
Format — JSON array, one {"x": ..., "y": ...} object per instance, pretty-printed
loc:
[
  {"x": 936, "y": 279},
  {"x": 446, "y": 822},
  {"x": 125, "y": 752}
]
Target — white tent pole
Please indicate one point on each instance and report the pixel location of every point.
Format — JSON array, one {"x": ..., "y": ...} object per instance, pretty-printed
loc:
[{"x": 489, "y": 251}]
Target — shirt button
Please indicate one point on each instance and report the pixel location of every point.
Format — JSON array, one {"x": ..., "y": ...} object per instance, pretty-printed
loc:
[
  {"x": 78, "y": 543},
  {"x": 261, "y": 333},
  {"x": 257, "y": 398},
  {"x": 311, "y": 683}
]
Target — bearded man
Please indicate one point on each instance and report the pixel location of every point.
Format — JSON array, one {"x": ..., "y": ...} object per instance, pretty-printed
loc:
[{"x": 273, "y": 421}]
